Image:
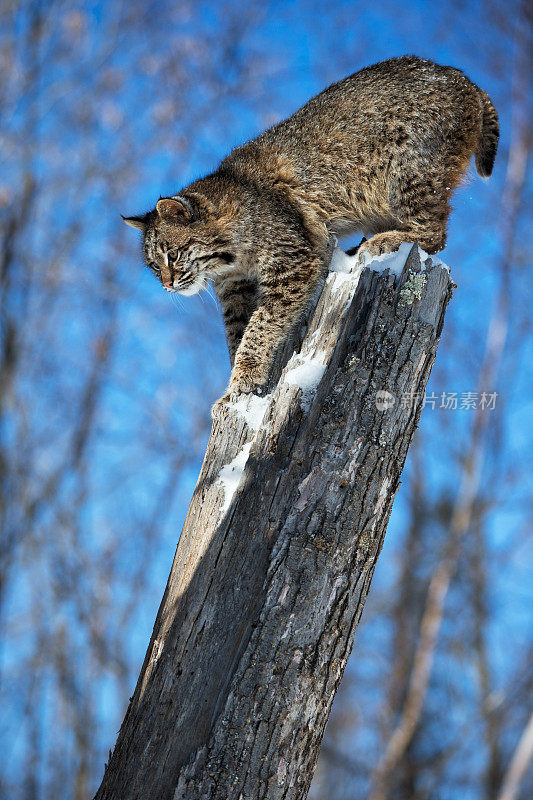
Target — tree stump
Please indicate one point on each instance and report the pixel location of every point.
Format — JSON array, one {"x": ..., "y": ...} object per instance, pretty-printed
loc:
[{"x": 278, "y": 549}]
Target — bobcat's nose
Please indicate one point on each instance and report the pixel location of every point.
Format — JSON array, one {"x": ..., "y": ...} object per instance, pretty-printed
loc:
[{"x": 168, "y": 284}]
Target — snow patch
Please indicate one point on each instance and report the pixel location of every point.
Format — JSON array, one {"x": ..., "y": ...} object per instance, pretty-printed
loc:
[
  {"x": 344, "y": 271},
  {"x": 230, "y": 476},
  {"x": 435, "y": 260},
  {"x": 341, "y": 262},
  {"x": 306, "y": 374},
  {"x": 252, "y": 408},
  {"x": 395, "y": 262}
]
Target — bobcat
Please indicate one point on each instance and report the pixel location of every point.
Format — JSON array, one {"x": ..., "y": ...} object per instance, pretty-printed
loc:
[{"x": 380, "y": 151}]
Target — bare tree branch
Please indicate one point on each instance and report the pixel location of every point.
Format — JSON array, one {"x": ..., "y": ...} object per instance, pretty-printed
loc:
[
  {"x": 520, "y": 761},
  {"x": 471, "y": 475}
]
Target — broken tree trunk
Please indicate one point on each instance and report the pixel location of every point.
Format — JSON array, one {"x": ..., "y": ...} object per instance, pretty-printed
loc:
[{"x": 279, "y": 546}]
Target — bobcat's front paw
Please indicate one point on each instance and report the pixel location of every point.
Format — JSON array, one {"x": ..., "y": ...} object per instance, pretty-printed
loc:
[
  {"x": 245, "y": 378},
  {"x": 231, "y": 396},
  {"x": 220, "y": 405}
]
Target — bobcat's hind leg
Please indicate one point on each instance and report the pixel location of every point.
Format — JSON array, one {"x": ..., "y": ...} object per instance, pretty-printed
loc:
[
  {"x": 418, "y": 204},
  {"x": 389, "y": 241}
]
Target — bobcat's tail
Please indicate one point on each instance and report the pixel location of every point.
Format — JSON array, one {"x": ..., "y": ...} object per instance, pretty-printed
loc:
[{"x": 488, "y": 141}]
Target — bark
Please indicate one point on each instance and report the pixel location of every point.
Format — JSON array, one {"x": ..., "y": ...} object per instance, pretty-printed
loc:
[{"x": 269, "y": 579}]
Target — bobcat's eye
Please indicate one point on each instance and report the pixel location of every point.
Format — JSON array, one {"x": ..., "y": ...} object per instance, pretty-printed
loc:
[{"x": 155, "y": 269}]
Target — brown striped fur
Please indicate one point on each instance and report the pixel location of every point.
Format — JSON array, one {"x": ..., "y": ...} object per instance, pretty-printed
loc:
[{"x": 381, "y": 151}]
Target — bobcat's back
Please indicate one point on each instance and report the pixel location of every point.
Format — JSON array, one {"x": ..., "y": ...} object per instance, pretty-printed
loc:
[
  {"x": 381, "y": 151},
  {"x": 388, "y": 135}
]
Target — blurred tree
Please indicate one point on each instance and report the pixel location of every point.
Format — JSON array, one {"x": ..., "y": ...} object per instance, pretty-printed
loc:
[{"x": 97, "y": 427}]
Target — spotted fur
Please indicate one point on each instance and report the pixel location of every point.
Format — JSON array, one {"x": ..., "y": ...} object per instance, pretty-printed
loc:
[{"x": 381, "y": 151}]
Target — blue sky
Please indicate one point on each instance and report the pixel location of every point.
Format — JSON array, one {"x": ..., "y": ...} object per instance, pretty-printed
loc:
[{"x": 171, "y": 358}]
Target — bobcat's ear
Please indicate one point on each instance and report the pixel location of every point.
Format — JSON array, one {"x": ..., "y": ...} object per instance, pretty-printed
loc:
[
  {"x": 203, "y": 205},
  {"x": 175, "y": 209},
  {"x": 136, "y": 222}
]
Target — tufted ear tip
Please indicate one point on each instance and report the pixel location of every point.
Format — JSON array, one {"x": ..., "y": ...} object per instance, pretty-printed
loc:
[{"x": 135, "y": 222}]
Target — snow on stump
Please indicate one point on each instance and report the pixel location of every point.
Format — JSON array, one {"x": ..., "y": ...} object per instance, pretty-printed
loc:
[{"x": 276, "y": 556}]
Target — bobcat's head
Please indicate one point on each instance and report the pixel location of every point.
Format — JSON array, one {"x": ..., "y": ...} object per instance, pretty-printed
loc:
[{"x": 184, "y": 242}]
